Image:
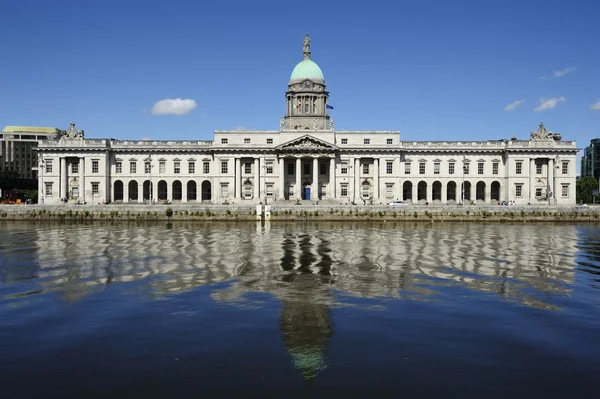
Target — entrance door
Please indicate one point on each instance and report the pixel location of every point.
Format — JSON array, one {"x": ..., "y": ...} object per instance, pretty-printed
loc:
[{"x": 306, "y": 193}]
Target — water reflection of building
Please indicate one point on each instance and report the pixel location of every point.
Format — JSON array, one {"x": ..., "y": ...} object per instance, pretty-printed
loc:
[{"x": 304, "y": 265}]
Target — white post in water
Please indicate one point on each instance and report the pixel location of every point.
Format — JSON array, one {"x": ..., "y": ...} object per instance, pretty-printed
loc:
[
  {"x": 267, "y": 212},
  {"x": 259, "y": 212}
]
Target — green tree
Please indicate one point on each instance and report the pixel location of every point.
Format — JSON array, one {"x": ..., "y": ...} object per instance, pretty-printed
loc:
[{"x": 584, "y": 189}]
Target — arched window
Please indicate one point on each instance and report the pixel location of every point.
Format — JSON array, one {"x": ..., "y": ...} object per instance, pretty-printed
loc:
[{"x": 306, "y": 108}]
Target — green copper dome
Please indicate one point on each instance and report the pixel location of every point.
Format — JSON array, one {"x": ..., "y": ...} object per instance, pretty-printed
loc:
[{"x": 307, "y": 69}]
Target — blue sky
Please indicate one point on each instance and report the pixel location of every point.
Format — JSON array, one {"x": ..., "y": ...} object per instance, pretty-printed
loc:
[{"x": 434, "y": 70}]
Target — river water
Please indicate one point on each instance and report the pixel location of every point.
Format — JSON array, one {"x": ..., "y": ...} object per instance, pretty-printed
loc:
[{"x": 296, "y": 310}]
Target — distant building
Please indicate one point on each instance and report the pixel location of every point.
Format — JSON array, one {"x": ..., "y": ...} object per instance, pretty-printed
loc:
[
  {"x": 308, "y": 159},
  {"x": 590, "y": 162},
  {"x": 17, "y": 158}
]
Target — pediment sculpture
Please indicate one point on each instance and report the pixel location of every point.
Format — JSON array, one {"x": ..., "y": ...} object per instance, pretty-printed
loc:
[
  {"x": 543, "y": 134},
  {"x": 72, "y": 132}
]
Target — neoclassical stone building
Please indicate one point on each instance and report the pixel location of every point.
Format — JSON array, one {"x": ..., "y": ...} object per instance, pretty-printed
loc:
[{"x": 307, "y": 159}]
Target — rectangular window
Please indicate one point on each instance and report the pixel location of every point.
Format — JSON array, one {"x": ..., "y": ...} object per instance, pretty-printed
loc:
[
  {"x": 495, "y": 168},
  {"x": 389, "y": 190},
  {"x": 518, "y": 190},
  {"x": 119, "y": 167},
  {"x": 48, "y": 189},
  {"x": 224, "y": 169},
  {"x": 466, "y": 169},
  {"x": 48, "y": 166},
  {"x": 291, "y": 191},
  {"x": 132, "y": 167},
  {"x": 177, "y": 167},
  {"x": 421, "y": 168},
  {"x": 322, "y": 169},
  {"x": 390, "y": 141},
  {"x": 519, "y": 168},
  {"x": 389, "y": 167},
  {"x": 565, "y": 168},
  {"x": 538, "y": 168},
  {"x": 269, "y": 141},
  {"x": 269, "y": 168},
  {"x": 75, "y": 192},
  {"x": 538, "y": 192},
  {"x": 95, "y": 188},
  {"x": 223, "y": 141},
  {"x": 451, "y": 168},
  {"x": 436, "y": 168},
  {"x": 407, "y": 168},
  {"x": 224, "y": 189},
  {"x": 191, "y": 167},
  {"x": 365, "y": 169},
  {"x": 206, "y": 167},
  {"x": 480, "y": 168},
  {"x": 565, "y": 189},
  {"x": 290, "y": 168},
  {"x": 344, "y": 190},
  {"x": 75, "y": 168},
  {"x": 367, "y": 141},
  {"x": 162, "y": 167},
  {"x": 270, "y": 190},
  {"x": 247, "y": 168},
  {"x": 344, "y": 141},
  {"x": 306, "y": 169},
  {"x": 344, "y": 170},
  {"x": 246, "y": 140},
  {"x": 95, "y": 167},
  {"x": 147, "y": 168}
]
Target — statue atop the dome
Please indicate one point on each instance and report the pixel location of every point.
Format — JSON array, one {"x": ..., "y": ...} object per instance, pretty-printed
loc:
[{"x": 306, "y": 48}]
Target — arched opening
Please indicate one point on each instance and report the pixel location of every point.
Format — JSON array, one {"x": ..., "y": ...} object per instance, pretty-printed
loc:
[
  {"x": 147, "y": 190},
  {"x": 206, "y": 191},
  {"x": 422, "y": 191},
  {"x": 365, "y": 190},
  {"x": 162, "y": 190},
  {"x": 495, "y": 194},
  {"x": 177, "y": 195},
  {"x": 407, "y": 188},
  {"x": 118, "y": 190},
  {"x": 480, "y": 191},
  {"x": 192, "y": 193},
  {"x": 467, "y": 191},
  {"x": 436, "y": 193},
  {"x": 248, "y": 189},
  {"x": 133, "y": 191},
  {"x": 451, "y": 191}
]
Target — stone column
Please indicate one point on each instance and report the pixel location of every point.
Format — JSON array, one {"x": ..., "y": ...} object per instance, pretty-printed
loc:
[
  {"x": 238, "y": 178},
  {"x": 332, "y": 183},
  {"x": 82, "y": 179},
  {"x": 257, "y": 182},
  {"x": 376, "y": 178},
  {"x": 298, "y": 188},
  {"x": 444, "y": 197},
  {"x": 281, "y": 178},
  {"x": 415, "y": 193},
  {"x": 314, "y": 193},
  {"x": 63, "y": 177},
  {"x": 125, "y": 191},
  {"x": 551, "y": 181},
  {"x": 429, "y": 192},
  {"x": 532, "y": 181},
  {"x": 356, "y": 180}
]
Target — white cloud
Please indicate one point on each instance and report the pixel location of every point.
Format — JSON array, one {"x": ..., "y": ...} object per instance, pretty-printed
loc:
[
  {"x": 558, "y": 74},
  {"x": 173, "y": 106},
  {"x": 548, "y": 103},
  {"x": 596, "y": 106},
  {"x": 512, "y": 106}
]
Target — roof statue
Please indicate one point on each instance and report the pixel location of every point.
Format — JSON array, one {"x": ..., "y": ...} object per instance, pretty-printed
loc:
[
  {"x": 543, "y": 134},
  {"x": 306, "y": 47},
  {"x": 72, "y": 132}
]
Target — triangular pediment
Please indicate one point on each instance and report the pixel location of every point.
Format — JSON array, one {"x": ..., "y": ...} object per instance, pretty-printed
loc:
[{"x": 307, "y": 142}]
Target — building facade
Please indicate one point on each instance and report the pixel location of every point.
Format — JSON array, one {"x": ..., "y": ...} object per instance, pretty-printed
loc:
[
  {"x": 17, "y": 149},
  {"x": 307, "y": 159},
  {"x": 590, "y": 161}
]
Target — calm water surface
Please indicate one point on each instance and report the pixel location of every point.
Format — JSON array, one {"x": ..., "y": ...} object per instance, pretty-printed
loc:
[{"x": 319, "y": 310}]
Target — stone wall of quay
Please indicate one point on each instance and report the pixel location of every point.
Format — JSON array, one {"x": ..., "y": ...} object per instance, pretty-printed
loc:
[{"x": 178, "y": 212}]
